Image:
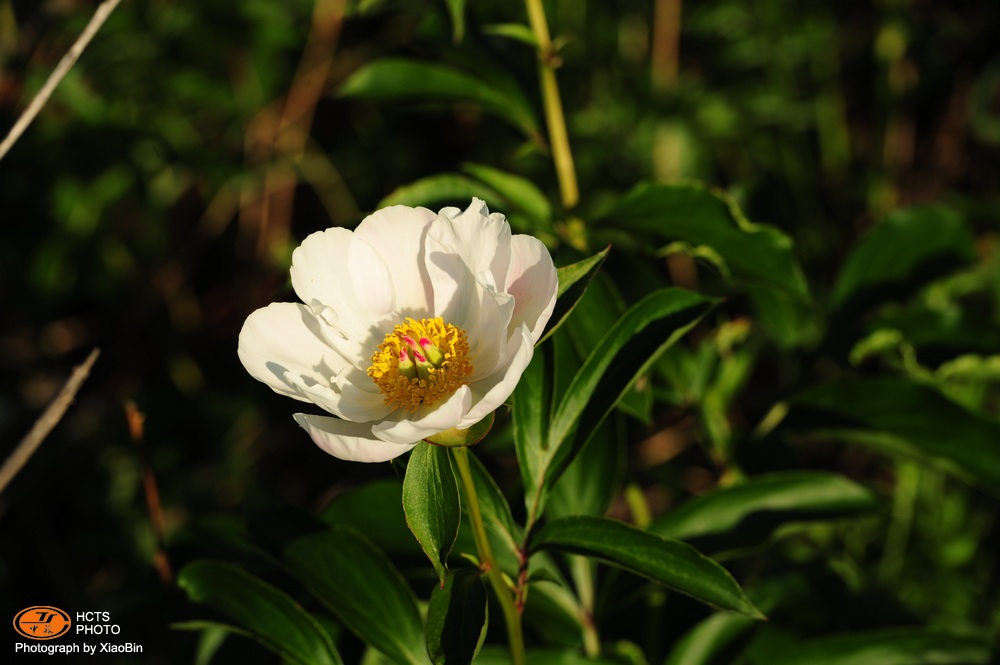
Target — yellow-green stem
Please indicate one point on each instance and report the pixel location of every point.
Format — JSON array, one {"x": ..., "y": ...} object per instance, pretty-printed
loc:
[
  {"x": 503, "y": 593},
  {"x": 583, "y": 576},
  {"x": 554, "y": 117}
]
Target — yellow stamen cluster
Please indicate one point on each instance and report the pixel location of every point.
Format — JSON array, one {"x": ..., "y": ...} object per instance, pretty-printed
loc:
[{"x": 437, "y": 379}]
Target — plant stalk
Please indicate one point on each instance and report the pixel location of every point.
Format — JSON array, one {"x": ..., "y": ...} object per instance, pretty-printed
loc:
[
  {"x": 554, "y": 117},
  {"x": 583, "y": 576},
  {"x": 503, "y": 593}
]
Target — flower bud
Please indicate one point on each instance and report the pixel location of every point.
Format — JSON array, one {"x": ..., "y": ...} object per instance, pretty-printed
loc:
[
  {"x": 424, "y": 368},
  {"x": 432, "y": 352},
  {"x": 406, "y": 366}
]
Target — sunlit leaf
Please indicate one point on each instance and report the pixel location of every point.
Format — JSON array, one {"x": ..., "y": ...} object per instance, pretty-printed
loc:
[
  {"x": 440, "y": 189},
  {"x": 597, "y": 312},
  {"x": 390, "y": 79},
  {"x": 669, "y": 562},
  {"x": 711, "y": 642},
  {"x": 520, "y": 191},
  {"x": 531, "y": 415},
  {"x": 630, "y": 346},
  {"x": 890, "y": 647},
  {"x": 264, "y": 612},
  {"x": 758, "y": 253},
  {"x": 431, "y": 503},
  {"x": 910, "y": 247},
  {"x": 574, "y": 280},
  {"x": 359, "y": 585},
  {"x": 745, "y": 514},
  {"x": 517, "y": 31},
  {"x": 900, "y": 416}
]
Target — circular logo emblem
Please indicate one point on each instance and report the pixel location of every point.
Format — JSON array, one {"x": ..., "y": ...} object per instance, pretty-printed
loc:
[{"x": 42, "y": 622}]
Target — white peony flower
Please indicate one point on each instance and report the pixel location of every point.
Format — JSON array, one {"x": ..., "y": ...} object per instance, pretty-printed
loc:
[{"x": 414, "y": 323}]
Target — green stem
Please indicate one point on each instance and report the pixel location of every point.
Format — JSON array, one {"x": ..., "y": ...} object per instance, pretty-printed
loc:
[
  {"x": 503, "y": 593},
  {"x": 554, "y": 117},
  {"x": 903, "y": 510},
  {"x": 583, "y": 576}
]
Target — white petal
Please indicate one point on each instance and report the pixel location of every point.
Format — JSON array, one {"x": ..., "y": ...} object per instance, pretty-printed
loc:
[
  {"x": 397, "y": 235},
  {"x": 459, "y": 246},
  {"x": 347, "y": 398},
  {"x": 371, "y": 279},
  {"x": 355, "y": 351},
  {"x": 284, "y": 339},
  {"x": 491, "y": 392},
  {"x": 533, "y": 282},
  {"x": 488, "y": 329},
  {"x": 321, "y": 276},
  {"x": 403, "y": 427},
  {"x": 349, "y": 441}
]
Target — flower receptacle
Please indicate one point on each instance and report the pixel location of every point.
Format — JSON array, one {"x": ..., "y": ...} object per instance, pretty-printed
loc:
[{"x": 457, "y": 438}]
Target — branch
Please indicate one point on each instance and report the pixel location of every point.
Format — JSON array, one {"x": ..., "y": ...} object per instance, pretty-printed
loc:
[
  {"x": 57, "y": 75},
  {"x": 53, "y": 414}
]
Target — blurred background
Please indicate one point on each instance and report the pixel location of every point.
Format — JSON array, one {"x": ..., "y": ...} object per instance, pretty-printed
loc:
[{"x": 156, "y": 200}]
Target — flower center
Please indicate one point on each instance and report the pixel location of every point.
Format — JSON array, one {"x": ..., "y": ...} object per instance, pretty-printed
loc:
[{"x": 420, "y": 362}]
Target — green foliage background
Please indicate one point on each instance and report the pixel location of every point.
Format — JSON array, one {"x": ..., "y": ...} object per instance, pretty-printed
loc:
[{"x": 156, "y": 200}]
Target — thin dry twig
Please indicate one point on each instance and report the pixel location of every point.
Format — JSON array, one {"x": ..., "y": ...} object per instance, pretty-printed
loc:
[
  {"x": 136, "y": 426},
  {"x": 49, "y": 419},
  {"x": 57, "y": 75}
]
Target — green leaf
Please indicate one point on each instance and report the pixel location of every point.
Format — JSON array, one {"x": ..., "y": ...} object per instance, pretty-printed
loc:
[
  {"x": 596, "y": 313},
  {"x": 517, "y": 31},
  {"x": 531, "y": 415},
  {"x": 494, "y": 507},
  {"x": 758, "y": 253},
  {"x": 391, "y": 79},
  {"x": 553, "y": 612},
  {"x": 910, "y": 247},
  {"x": 712, "y": 641},
  {"x": 626, "y": 351},
  {"x": 518, "y": 190},
  {"x": 890, "y": 647},
  {"x": 592, "y": 480},
  {"x": 356, "y": 581},
  {"x": 573, "y": 282},
  {"x": 441, "y": 189},
  {"x": 431, "y": 503},
  {"x": 375, "y": 509},
  {"x": 457, "y": 618},
  {"x": 785, "y": 318},
  {"x": 635, "y": 341},
  {"x": 669, "y": 562},
  {"x": 744, "y": 515},
  {"x": 900, "y": 416},
  {"x": 267, "y": 613},
  {"x": 497, "y": 656},
  {"x": 213, "y": 635}
]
